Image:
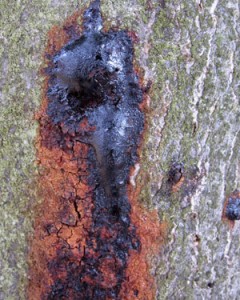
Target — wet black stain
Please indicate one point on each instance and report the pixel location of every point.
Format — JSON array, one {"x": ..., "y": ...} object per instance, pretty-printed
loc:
[
  {"x": 233, "y": 208},
  {"x": 175, "y": 173},
  {"x": 93, "y": 98}
]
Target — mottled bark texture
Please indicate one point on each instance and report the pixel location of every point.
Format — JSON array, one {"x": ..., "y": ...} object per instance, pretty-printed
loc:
[{"x": 190, "y": 160}]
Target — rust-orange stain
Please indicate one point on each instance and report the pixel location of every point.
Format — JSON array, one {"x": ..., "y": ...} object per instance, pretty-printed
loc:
[
  {"x": 64, "y": 218},
  {"x": 140, "y": 284},
  {"x": 177, "y": 186}
]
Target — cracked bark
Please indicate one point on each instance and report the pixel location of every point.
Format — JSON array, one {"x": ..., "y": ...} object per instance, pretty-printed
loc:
[{"x": 190, "y": 51}]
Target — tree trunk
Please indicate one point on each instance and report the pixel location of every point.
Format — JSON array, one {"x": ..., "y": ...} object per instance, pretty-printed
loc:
[{"x": 189, "y": 165}]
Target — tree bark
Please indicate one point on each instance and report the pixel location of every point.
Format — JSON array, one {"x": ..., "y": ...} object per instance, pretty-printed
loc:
[{"x": 189, "y": 165}]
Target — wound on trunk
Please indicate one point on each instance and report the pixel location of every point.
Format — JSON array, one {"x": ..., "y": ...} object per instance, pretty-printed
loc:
[{"x": 88, "y": 232}]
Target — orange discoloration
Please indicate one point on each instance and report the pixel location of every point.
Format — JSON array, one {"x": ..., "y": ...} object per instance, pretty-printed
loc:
[
  {"x": 60, "y": 223},
  {"x": 58, "y": 36},
  {"x": 64, "y": 218},
  {"x": 140, "y": 284},
  {"x": 176, "y": 187}
]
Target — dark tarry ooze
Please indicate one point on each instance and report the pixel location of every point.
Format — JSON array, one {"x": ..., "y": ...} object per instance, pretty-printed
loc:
[{"x": 93, "y": 98}]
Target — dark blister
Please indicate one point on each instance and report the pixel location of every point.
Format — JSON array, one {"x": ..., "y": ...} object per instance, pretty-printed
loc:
[{"x": 233, "y": 209}]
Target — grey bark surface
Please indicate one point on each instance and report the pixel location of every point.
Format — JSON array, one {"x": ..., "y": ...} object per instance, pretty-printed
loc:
[{"x": 190, "y": 52}]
